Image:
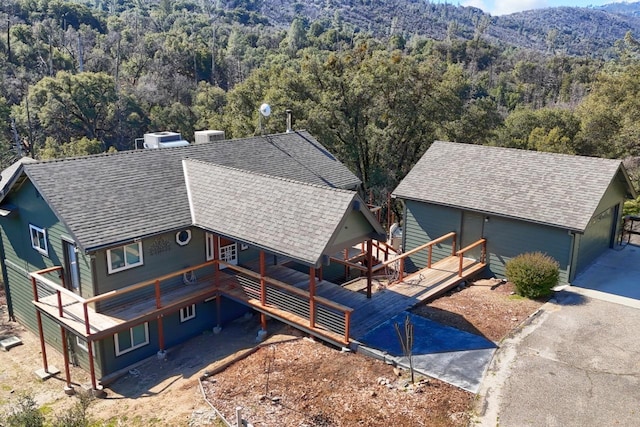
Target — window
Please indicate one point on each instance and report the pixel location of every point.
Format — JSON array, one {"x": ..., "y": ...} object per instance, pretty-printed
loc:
[
  {"x": 82, "y": 343},
  {"x": 187, "y": 313},
  {"x": 39, "y": 239},
  {"x": 136, "y": 337},
  {"x": 183, "y": 237},
  {"x": 210, "y": 243},
  {"x": 124, "y": 257}
]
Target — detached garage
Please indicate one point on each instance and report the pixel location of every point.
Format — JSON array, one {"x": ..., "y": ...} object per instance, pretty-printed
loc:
[{"x": 568, "y": 207}]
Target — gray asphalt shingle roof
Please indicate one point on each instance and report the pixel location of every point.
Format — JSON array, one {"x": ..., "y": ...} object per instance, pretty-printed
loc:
[
  {"x": 286, "y": 217},
  {"x": 9, "y": 175},
  {"x": 548, "y": 188},
  {"x": 114, "y": 198}
]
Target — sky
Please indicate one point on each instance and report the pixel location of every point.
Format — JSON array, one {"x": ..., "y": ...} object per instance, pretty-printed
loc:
[{"x": 504, "y": 7}]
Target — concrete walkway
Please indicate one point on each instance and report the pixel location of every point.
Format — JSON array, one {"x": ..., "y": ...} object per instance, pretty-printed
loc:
[
  {"x": 439, "y": 351},
  {"x": 577, "y": 363}
]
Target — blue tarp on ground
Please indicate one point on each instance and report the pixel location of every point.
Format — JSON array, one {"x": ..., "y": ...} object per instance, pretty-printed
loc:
[{"x": 429, "y": 337}]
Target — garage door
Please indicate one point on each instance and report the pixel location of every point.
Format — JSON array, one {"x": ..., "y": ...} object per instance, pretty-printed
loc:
[{"x": 596, "y": 238}]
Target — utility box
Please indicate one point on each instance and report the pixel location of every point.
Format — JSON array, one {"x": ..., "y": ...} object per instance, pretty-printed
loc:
[
  {"x": 163, "y": 140},
  {"x": 203, "y": 136}
]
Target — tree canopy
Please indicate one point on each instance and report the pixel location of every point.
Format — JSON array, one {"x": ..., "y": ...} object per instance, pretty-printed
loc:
[{"x": 81, "y": 78}]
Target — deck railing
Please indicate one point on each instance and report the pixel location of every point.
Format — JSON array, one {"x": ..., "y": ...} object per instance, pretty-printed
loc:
[
  {"x": 320, "y": 312},
  {"x": 59, "y": 288},
  {"x": 461, "y": 252},
  {"x": 399, "y": 260},
  {"x": 428, "y": 246}
]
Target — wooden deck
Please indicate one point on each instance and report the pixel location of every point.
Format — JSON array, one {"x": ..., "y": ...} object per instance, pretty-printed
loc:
[
  {"x": 113, "y": 320},
  {"x": 365, "y": 313},
  {"x": 416, "y": 288}
]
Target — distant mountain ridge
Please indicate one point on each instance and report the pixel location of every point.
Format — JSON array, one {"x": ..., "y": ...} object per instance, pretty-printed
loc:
[
  {"x": 581, "y": 31},
  {"x": 629, "y": 9}
]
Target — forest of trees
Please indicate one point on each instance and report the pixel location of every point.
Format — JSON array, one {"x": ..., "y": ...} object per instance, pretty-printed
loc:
[{"x": 83, "y": 78}]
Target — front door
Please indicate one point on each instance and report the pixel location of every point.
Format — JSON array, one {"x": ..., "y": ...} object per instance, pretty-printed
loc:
[
  {"x": 72, "y": 270},
  {"x": 472, "y": 231},
  {"x": 228, "y": 249}
]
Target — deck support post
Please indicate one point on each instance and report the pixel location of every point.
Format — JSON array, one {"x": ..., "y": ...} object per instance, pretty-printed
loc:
[
  {"x": 263, "y": 290},
  {"x": 263, "y": 322},
  {"x": 369, "y": 266},
  {"x": 60, "y": 311},
  {"x": 218, "y": 309},
  {"x": 43, "y": 347},
  {"x": 65, "y": 355},
  {"x": 160, "y": 334},
  {"x": 263, "y": 283},
  {"x": 92, "y": 366},
  {"x": 216, "y": 257},
  {"x": 158, "y": 297},
  {"x": 346, "y": 267},
  {"x": 312, "y": 297}
]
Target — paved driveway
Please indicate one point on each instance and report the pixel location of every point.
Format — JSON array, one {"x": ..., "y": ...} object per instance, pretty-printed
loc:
[
  {"x": 576, "y": 364},
  {"x": 616, "y": 272}
]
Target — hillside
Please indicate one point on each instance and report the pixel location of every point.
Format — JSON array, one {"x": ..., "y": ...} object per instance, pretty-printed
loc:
[{"x": 572, "y": 30}]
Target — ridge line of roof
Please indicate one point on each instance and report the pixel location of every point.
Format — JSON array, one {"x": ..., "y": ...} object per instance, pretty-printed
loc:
[
  {"x": 272, "y": 177},
  {"x": 529, "y": 152},
  {"x": 164, "y": 149}
]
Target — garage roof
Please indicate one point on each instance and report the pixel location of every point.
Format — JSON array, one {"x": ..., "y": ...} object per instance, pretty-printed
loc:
[{"x": 553, "y": 189}]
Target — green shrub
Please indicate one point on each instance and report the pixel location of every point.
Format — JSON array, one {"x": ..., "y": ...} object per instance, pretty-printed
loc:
[
  {"x": 25, "y": 413},
  {"x": 533, "y": 274}
]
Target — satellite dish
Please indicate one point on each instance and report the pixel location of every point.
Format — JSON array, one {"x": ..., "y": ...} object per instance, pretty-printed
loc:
[{"x": 265, "y": 110}]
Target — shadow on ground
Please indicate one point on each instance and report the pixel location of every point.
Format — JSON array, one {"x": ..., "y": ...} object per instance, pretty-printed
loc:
[{"x": 200, "y": 354}]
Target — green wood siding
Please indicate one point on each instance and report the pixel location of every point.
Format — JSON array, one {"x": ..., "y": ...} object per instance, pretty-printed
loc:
[
  {"x": 596, "y": 239},
  {"x": 354, "y": 227},
  {"x": 20, "y": 258},
  {"x": 423, "y": 223},
  {"x": 603, "y": 228},
  {"x": 161, "y": 255},
  {"x": 507, "y": 238}
]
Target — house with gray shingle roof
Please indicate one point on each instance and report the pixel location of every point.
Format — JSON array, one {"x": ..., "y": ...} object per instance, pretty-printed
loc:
[
  {"x": 568, "y": 207},
  {"x": 116, "y": 257}
]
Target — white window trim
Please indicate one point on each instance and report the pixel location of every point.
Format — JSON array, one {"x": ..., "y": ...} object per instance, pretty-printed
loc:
[
  {"x": 45, "y": 250},
  {"x": 209, "y": 245},
  {"x": 133, "y": 347},
  {"x": 82, "y": 343},
  {"x": 185, "y": 242},
  {"x": 126, "y": 266},
  {"x": 185, "y": 315}
]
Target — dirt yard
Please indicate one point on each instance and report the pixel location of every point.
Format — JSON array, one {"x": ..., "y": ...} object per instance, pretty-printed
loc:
[{"x": 287, "y": 381}]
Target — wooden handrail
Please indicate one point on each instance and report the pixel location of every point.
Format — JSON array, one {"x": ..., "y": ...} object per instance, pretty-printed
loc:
[
  {"x": 287, "y": 287},
  {"x": 146, "y": 283},
  {"x": 50, "y": 283},
  {"x": 471, "y": 246},
  {"x": 461, "y": 252},
  {"x": 349, "y": 264},
  {"x": 431, "y": 243},
  {"x": 49, "y": 270}
]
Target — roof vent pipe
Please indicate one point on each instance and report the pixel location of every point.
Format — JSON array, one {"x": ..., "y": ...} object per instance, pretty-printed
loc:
[{"x": 289, "y": 120}]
